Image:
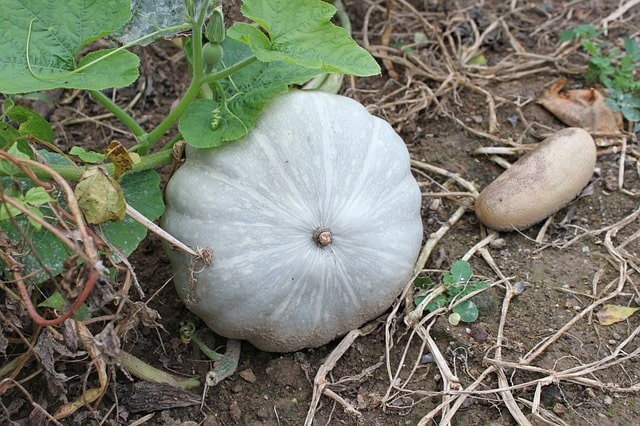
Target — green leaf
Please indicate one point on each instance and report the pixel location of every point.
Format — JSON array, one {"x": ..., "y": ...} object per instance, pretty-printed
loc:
[
  {"x": 8, "y": 168},
  {"x": 142, "y": 192},
  {"x": 8, "y": 135},
  {"x": 246, "y": 93},
  {"x": 438, "y": 302},
  {"x": 148, "y": 17},
  {"x": 51, "y": 35},
  {"x": 31, "y": 123},
  {"x": 301, "y": 32},
  {"x": 460, "y": 273},
  {"x": 631, "y": 113},
  {"x": 632, "y": 49},
  {"x": 423, "y": 281},
  {"x": 567, "y": 35},
  {"x": 7, "y": 210},
  {"x": 47, "y": 250},
  {"x": 37, "y": 196},
  {"x": 467, "y": 310},
  {"x": 90, "y": 157},
  {"x": 56, "y": 301}
]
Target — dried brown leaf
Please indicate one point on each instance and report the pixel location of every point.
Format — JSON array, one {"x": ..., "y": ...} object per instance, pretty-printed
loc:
[
  {"x": 121, "y": 158},
  {"x": 585, "y": 108},
  {"x": 47, "y": 348}
]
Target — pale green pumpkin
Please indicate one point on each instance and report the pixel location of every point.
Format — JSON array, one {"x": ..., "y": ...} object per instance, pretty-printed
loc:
[{"x": 313, "y": 220}]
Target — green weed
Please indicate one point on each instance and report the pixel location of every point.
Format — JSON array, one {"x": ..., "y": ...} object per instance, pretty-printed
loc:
[
  {"x": 457, "y": 284},
  {"x": 612, "y": 67}
]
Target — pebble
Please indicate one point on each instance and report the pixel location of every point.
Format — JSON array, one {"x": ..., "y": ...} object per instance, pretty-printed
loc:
[
  {"x": 426, "y": 358},
  {"x": 479, "y": 333},
  {"x": 498, "y": 243},
  {"x": 520, "y": 287},
  {"x": 248, "y": 375},
  {"x": 607, "y": 400}
]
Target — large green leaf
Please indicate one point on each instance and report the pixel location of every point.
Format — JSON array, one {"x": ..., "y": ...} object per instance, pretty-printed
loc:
[
  {"x": 142, "y": 192},
  {"x": 46, "y": 249},
  {"x": 30, "y": 122},
  {"x": 301, "y": 32},
  {"x": 148, "y": 17},
  {"x": 51, "y": 34},
  {"x": 208, "y": 123}
]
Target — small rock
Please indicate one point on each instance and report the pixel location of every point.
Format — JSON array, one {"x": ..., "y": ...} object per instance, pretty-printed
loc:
[
  {"x": 607, "y": 400},
  {"x": 262, "y": 413},
  {"x": 426, "y": 358},
  {"x": 479, "y": 333},
  {"x": 612, "y": 341},
  {"x": 248, "y": 375},
  {"x": 520, "y": 287},
  {"x": 498, "y": 243}
]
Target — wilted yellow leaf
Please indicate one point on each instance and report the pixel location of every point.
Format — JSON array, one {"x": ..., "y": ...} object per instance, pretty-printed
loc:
[
  {"x": 100, "y": 197},
  {"x": 611, "y": 314},
  {"x": 120, "y": 157}
]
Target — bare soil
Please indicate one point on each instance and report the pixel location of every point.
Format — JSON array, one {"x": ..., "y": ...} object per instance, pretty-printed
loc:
[{"x": 539, "y": 355}]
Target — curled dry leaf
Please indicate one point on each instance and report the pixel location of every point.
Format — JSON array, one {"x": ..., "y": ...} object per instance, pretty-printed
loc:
[
  {"x": 585, "y": 108},
  {"x": 47, "y": 349},
  {"x": 611, "y": 314},
  {"x": 100, "y": 197},
  {"x": 121, "y": 158}
]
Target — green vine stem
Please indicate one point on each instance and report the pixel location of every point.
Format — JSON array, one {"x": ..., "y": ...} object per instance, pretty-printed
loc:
[
  {"x": 188, "y": 334},
  {"x": 118, "y": 112},
  {"x": 211, "y": 78},
  {"x": 192, "y": 92},
  {"x": 74, "y": 173},
  {"x": 144, "y": 371}
]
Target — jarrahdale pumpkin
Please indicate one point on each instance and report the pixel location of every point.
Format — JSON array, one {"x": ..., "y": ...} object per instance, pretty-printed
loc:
[{"x": 313, "y": 222}]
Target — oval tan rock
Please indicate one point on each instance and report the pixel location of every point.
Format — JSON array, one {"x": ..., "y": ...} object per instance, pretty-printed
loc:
[{"x": 540, "y": 183}]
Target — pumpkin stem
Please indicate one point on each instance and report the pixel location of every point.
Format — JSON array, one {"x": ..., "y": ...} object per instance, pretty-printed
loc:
[{"x": 322, "y": 237}]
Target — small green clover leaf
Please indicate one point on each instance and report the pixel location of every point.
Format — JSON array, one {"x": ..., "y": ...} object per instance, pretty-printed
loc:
[{"x": 457, "y": 285}]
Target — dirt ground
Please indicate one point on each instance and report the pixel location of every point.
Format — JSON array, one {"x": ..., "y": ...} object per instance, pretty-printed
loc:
[{"x": 537, "y": 355}]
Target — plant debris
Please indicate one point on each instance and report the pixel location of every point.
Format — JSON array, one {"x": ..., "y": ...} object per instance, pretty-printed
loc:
[{"x": 584, "y": 108}]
